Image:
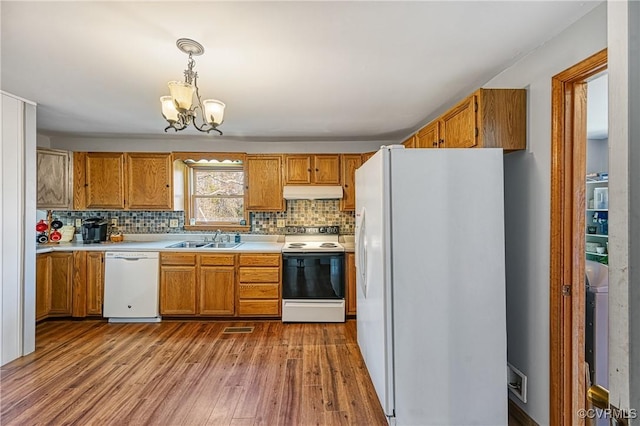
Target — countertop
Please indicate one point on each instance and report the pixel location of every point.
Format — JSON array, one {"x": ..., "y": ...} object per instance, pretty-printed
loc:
[{"x": 161, "y": 242}]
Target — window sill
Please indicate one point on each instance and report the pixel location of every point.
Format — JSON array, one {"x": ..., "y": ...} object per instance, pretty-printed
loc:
[{"x": 225, "y": 228}]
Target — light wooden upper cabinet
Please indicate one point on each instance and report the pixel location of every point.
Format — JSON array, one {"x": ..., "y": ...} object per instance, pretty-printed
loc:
[
  {"x": 429, "y": 136},
  {"x": 115, "y": 180},
  {"x": 98, "y": 180},
  {"x": 410, "y": 142},
  {"x": 149, "y": 177},
  {"x": 349, "y": 163},
  {"x": 319, "y": 169},
  {"x": 263, "y": 176},
  {"x": 366, "y": 156},
  {"x": 459, "y": 125},
  {"x": 53, "y": 179},
  {"x": 489, "y": 118}
]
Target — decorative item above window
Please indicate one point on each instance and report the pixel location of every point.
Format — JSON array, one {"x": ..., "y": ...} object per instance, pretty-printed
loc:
[{"x": 178, "y": 108}]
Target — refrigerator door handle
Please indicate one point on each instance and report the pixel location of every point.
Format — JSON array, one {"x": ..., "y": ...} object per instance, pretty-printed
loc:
[{"x": 361, "y": 253}]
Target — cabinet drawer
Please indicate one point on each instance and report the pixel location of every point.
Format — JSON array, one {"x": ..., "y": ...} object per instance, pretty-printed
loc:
[
  {"x": 259, "y": 275},
  {"x": 260, "y": 259},
  {"x": 178, "y": 258},
  {"x": 259, "y": 307},
  {"x": 259, "y": 291},
  {"x": 217, "y": 259}
]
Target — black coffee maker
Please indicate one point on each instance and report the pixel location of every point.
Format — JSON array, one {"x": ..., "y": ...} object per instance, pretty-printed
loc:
[{"x": 94, "y": 230}]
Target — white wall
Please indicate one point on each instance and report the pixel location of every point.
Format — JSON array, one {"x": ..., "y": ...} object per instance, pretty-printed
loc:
[
  {"x": 597, "y": 155},
  {"x": 172, "y": 143},
  {"x": 527, "y": 204}
]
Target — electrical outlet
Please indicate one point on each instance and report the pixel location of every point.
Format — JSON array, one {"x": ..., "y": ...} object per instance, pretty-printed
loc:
[
  {"x": 173, "y": 223},
  {"x": 280, "y": 223},
  {"x": 78, "y": 223},
  {"x": 114, "y": 221}
]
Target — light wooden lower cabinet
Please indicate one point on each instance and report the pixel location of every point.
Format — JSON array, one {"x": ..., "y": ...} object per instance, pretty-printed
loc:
[
  {"x": 54, "y": 283},
  {"x": 197, "y": 284},
  {"x": 94, "y": 282},
  {"x": 260, "y": 281},
  {"x": 351, "y": 283}
]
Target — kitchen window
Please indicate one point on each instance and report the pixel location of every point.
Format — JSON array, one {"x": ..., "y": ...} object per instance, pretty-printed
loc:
[{"x": 215, "y": 194}]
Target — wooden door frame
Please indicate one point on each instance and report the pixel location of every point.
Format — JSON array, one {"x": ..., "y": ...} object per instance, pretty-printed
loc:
[{"x": 566, "y": 312}]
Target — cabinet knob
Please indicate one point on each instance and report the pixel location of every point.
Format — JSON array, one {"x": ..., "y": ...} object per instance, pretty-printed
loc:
[
  {"x": 308, "y": 170},
  {"x": 346, "y": 185},
  {"x": 317, "y": 170},
  {"x": 435, "y": 143},
  {"x": 168, "y": 185}
]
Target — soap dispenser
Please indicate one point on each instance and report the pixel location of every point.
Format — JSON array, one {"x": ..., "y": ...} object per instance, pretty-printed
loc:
[{"x": 237, "y": 237}]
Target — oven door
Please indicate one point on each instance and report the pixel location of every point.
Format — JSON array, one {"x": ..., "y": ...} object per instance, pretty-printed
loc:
[
  {"x": 313, "y": 276},
  {"x": 313, "y": 287}
]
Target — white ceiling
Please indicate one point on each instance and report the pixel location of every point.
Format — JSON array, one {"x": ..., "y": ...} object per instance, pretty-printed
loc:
[{"x": 307, "y": 71}]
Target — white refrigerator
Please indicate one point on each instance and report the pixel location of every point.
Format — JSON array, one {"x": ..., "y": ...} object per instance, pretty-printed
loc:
[{"x": 431, "y": 319}]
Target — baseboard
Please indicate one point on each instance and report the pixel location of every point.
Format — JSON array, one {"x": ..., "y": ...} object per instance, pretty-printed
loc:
[{"x": 518, "y": 414}]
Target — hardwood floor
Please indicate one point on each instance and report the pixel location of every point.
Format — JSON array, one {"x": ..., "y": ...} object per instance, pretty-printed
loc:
[{"x": 190, "y": 373}]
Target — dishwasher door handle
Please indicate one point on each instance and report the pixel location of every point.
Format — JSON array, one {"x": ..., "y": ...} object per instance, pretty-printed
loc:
[{"x": 128, "y": 258}]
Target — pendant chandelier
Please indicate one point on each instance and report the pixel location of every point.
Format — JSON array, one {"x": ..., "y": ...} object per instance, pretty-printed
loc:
[{"x": 179, "y": 108}]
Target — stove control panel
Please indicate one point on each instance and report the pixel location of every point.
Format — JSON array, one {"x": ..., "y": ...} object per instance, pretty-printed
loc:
[{"x": 299, "y": 230}]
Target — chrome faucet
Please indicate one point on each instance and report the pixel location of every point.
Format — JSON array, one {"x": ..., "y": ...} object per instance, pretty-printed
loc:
[{"x": 215, "y": 236}]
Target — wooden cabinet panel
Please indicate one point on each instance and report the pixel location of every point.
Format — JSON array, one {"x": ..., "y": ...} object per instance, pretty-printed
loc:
[
  {"x": 104, "y": 180},
  {"x": 320, "y": 169},
  {"x": 259, "y": 291},
  {"x": 217, "y": 259},
  {"x": 43, "y": 285},
  {"x": 459, "y": 128},
  {"x": 263, "y": 174},
  {"x": 326, "y": 170},
  {"x": 178, "y": 290},
  {"x": 351, "y": 283},
  {"x": 260, "y": 281},
  {"x": 259, "y": 275},
  {"x": 429, "y": 136},
  {"x": 217, "y": 290},
  {"x": 61, "y": 283},
  {"x": 349, "y": 164},
  {"x": 366, "y": 156},
  {"x": 95, "y": 282},
  {"x": 273, "y": 259},
  {"x": 53, "y": 179},
  {"x": 410, "y": 142},
  {"x": 150, "y": 181},
  {"x": 256, "y": 307},
  {"x": 298, "y": 169},
  {"x": 177, "y": 258}
]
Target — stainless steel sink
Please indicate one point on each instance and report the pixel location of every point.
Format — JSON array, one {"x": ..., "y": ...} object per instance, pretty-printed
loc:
[
  {"x": 203, "y": 244},
  {"x": 221, "y": 245},
  {"x": 189, "y": 244}
]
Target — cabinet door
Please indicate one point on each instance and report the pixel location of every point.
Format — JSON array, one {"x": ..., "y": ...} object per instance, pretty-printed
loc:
[
  {"x": 349, "y": 162},
  {"x": 104, "y": 181},
  {"x": 410, "y": 142},
  {"x": 95, "y": 282},
  {"x": 351, "y": 283},
  {"x": 429, "y": 136},
  {"x": 366, "y": 156},
  {"x": 61, "y": 282},
  {"x": 43, "y": 285},
  {"x": 53, "y": 180},
  {"x": 178, "y": 290},
  {"x": 298, "y": 169},
  {"x": 326, "y": 169},
  {"x": 264, "y": 183},
  {"x": 458, "y": 125},
  {"x": 217, "y": 290},
  {"x": 150, "y": 178}
]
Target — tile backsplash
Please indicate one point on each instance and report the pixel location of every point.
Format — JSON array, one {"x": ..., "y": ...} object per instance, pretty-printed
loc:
[{"x": 298, "y": 213}]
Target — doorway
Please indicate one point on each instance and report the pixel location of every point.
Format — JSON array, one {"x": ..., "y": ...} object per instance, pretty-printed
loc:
[{"x": 568, "y": 371}]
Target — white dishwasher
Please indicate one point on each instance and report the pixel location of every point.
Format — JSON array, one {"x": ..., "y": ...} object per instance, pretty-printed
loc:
[{"x": 131, "y": 288}]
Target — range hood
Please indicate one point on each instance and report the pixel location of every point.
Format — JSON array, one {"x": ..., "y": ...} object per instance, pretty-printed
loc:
[{"x": 312, "y": 192}]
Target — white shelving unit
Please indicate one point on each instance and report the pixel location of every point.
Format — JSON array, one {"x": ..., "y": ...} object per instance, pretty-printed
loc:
[{"x": 596, "y": 217}]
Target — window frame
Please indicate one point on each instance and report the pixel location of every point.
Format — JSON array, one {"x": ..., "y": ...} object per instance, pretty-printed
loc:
[{"x": 190, "y": 168}]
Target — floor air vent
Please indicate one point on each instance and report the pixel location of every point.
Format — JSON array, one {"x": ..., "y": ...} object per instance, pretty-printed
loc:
[{"x": 236, "y": 330}]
